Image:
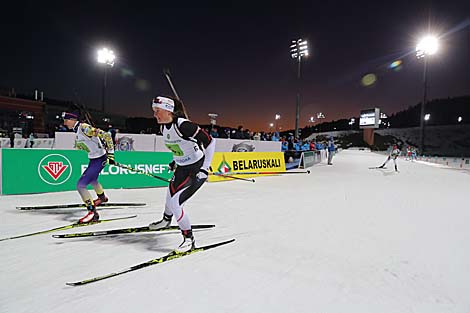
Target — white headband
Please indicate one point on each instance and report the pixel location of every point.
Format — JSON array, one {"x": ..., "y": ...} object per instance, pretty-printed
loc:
[{"x": 164, "y": 103}]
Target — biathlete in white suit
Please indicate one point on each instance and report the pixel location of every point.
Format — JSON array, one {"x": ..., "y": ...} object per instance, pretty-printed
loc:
[
  {"x": 192, "y": 149},
  {"x": 392, "y": 156},
  {"x": 99, "y": 146}
]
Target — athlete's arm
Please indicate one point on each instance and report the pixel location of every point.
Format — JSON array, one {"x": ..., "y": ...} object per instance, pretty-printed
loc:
[
  {"x": 190, "y": 130},
  {"x": 91, "y": 131}
]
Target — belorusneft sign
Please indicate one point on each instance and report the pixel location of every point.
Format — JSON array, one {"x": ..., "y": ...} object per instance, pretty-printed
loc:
[{"x": 60, "y": 170}]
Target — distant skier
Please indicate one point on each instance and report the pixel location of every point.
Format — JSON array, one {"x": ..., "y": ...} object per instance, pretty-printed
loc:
[
  {"x": 331, "y": 150},
  {"x": 413, "y": 154},
  {"x": 392, "y": 156},
  {"x": 99, "y": 146},
  {"x": 192, "y": 149}
]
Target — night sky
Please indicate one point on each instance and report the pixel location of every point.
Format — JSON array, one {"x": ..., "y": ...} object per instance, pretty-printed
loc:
[{"x": 234, "y": 59}]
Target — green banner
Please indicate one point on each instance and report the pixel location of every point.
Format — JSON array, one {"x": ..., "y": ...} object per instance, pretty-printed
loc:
[{"x": 36, "y": 170}]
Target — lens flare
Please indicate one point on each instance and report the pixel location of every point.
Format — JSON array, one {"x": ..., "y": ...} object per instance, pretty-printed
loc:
[
  {"x": 368, "y": 80},
  {"x": 395, "y": 64}
]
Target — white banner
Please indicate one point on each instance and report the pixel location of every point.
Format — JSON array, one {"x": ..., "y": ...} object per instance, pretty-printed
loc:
[
  {"x": 151, "y": 142},
  {"x": 135, "y": 142},
  {"x": 4, "y": 142},
  {"x": 64, "y": 140},
  {"x": 20, "y": 142},
  {"x": 239, "y": 145},
  {"x": 43, "y": 143}
]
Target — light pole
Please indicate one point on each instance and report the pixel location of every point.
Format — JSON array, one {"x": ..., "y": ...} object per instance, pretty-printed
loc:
[
  {"x": 351, "y": 122},
  {"x": 213, "y": 119},
  {"x": 298, "y": 49},
  {"x": 106, "y": 57},
  {"x": 426, "y": 47},
  {"x": 276, "y": 118}
]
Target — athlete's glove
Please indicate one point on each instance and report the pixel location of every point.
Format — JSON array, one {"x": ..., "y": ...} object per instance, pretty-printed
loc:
[
  {"x": 172, "y": 166},
  {"x": 202, "y": 174},
  {"x": 111, "y": 159}
]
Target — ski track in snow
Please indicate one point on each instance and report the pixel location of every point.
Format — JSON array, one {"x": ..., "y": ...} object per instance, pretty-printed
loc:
[{"x": 343, "y": 239}]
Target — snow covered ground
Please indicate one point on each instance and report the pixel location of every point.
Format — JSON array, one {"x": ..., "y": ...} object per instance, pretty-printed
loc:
[{"x": 343, "y": 239}]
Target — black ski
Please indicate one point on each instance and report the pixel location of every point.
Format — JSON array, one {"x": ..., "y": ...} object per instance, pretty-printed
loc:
[
  {"x": 77, "y": 205},
  {"x": 130, "y": 230},
  {"x": 170, "y": 256},
  {"x": 68, "y": 227}
]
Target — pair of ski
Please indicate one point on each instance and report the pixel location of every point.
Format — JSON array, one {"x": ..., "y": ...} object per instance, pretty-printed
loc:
[
  {"x": 78, "y": 205},
  {"x": 69, "y": 226},
  {"x": 74, "y": 225},
  {"x": 168, "y": 257}
]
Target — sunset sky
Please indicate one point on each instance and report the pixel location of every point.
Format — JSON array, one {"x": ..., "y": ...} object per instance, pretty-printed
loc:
[{"x": 234, "y": 60}]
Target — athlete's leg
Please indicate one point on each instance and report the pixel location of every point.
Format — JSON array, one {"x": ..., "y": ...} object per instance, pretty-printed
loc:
[{"x": 90, "y": 176}]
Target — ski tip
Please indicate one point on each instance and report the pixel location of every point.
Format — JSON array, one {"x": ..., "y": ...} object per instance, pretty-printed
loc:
[
  {"x": 308, "y": 171},
  {"x": 72, "y": 284},
  {"x": 202, "y": 226},
  {"x": 227, "y": 241}
]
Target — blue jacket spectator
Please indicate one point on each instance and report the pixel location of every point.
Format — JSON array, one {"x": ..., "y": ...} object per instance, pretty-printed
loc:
[
  {"x": 284, "y": 146},
  {"x": 331, "y": 146},
  {"x": 214, "y": 133},
  {"x": 297, "y": 146}
]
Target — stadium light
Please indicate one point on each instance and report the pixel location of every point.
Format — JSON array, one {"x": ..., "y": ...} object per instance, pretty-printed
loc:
[
  {"x": 107, "y": 58},
  {"x": 298, "y": 50},
  {"x": 276, "y": 118},
  {"x": 427, "y": 46}
]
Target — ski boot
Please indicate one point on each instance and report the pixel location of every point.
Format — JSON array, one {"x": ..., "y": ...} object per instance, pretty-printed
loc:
[
  {"x": 92, "y": 216},
  {"x": 100, "y": 200},
  {"x": 188, "y": 242},
  {"x": 164, "y": 222}
]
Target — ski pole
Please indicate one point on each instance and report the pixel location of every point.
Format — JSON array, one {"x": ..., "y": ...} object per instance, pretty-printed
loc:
[
  {"x": 166, "y": 72},
  {"x": 234, "y": 177},
  {"x": 267, "y": 173},
  {"x": 141, "y": 172}
]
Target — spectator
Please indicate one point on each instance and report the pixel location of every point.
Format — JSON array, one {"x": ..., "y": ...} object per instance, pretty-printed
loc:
[
  {"x": 31, "y": 140},
  {"x": 12, "y": 140},
  {"x": 275, "y": 136},
  {"x": 238, "y": 134},
  {"x": 312, "y": 145},
  {"x": 247, "y": 134},
  {"x": 306, "y": 146},
  {"x": 112, "y": 131},
  {"x": 214, "y": 133}
]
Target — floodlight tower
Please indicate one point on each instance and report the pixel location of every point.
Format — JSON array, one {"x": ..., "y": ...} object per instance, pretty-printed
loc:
[
  {"x": 298, "y": 50},
  {"x": 107, "y": 58},
  {"x": 426, "y": 46},
  {"x": 276, "y": 118}
]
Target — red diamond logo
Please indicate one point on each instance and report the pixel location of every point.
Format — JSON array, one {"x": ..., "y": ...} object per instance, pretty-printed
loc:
[{"x": 55, "y": 169}]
